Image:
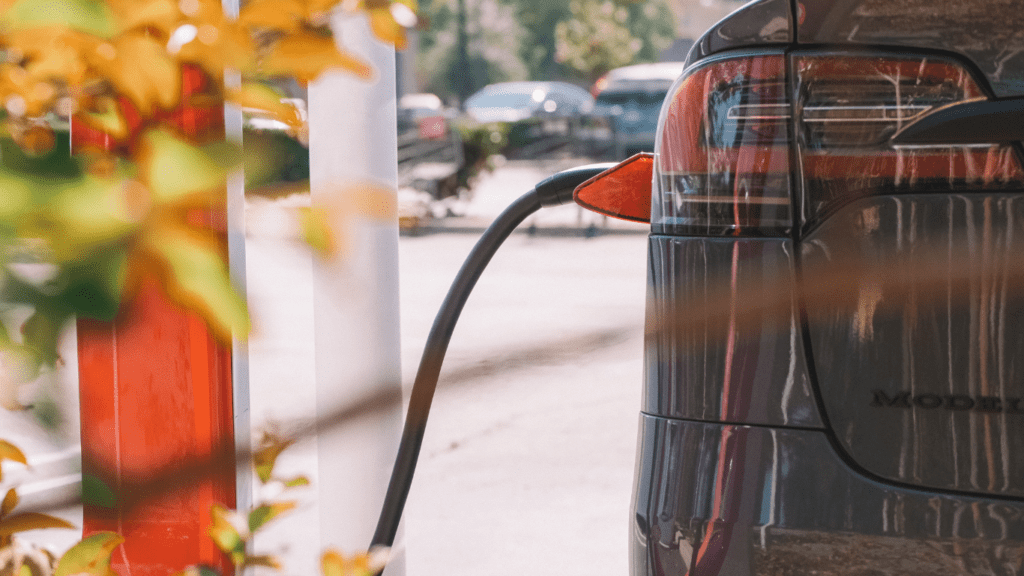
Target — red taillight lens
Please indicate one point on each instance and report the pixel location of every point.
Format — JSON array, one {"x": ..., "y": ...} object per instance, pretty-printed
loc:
[
  {"x": 723, "y": 162},
  {"x": 723, "y": 158},
  {"x": 849, "y": 106}
]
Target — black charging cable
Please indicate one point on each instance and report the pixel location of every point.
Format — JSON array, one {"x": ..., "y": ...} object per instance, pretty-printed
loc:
[{"x": 553, "y": 191}]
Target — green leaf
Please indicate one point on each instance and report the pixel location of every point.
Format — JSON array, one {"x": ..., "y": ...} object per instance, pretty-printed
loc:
[
  {"x": 31, "y": 521},
  {"x": 90, "y": 16},
  {"x": 267, "y": 512},
  {"x": 90, "y": 556},
  {"x": 265, "y": 561},
  {"x": 88, "y": 214},
  {"x": 198, "y": 278},
  {"x": 225, "y": 533},
  {"x": 296, "y": 482},
  {"x": 96, "y": 493},
  {"x": 176, "y": 170}
]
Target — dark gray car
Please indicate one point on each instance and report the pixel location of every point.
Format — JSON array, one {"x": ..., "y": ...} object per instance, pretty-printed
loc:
[{"x": 834, "y": 377}]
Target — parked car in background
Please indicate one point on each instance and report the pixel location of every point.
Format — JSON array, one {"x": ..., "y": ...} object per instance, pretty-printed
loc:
[
  {"x": 429, "y": 148},
  {"x": 864, "y": 412},
  {"x": 627, "y": 102},
  {"x": 532, "y": 110}
]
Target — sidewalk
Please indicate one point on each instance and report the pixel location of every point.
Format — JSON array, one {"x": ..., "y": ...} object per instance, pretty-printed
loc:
[{"x": 495, "y": 190}]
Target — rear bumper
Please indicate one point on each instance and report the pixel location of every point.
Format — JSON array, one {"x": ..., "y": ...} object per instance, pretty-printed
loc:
[{"x": 717, "y": 499}]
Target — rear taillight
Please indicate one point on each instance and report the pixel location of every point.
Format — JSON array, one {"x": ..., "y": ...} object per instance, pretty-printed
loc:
[
  {"x": 726, "y": 140},
  {"x": 723, "y": 163},
  {"x": 849, "y": 106}
]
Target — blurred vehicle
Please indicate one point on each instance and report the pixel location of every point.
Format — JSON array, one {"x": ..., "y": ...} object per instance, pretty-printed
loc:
[
  {"x": 627, "y": 102},
  {"x": 533, "y": 110},
  {"x": 430, "y": 151}
]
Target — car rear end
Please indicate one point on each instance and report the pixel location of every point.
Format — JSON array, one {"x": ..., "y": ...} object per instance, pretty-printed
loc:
[{"x": 834, "y": 358}]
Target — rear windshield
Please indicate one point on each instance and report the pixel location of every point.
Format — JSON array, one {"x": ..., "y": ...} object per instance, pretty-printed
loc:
[
  {"x": 621, "y": 98},
  {"x": 500, "y": 99}
]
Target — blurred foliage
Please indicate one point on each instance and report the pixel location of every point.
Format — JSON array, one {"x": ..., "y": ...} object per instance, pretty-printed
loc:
[
  {"x": 494, "y": 36},
  {"x": 113, "y": 166},
  {"x": 602, "y": 34},
  {"x": 576, "y": 40},
  {"x": 139, "y": 84},
  {"x": 480, "y": 143},
  {"x": 232, "y": 531}
]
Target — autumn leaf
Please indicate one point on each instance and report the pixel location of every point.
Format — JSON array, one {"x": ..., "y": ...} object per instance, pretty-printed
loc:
[
  {"x": 333, "y": 563},
  {"x": 228, "y": 533},
  {"x": 267, "y": 512},
  {"x": 10, "y": 502},
  {"x": 317, "y": 231},
  {"x": 91, "y": 16},
  {"x": 90, "y": 556},
  {"x": 306, "y": 55},
  {"x": 266, "y": 99},
  {"x": 140, "y": 68},
  {"x": 177, "y": 172},
  {"x": 266, "y": 455},
  {"x": 265, "y": 561},
  {"x": 30, "y": 521},
  {"x": 11, "y": 452},
  {"x": 296, "y": 482},
  {"x": 283, "y": 15},
  {"x": 195, "y": 274}
]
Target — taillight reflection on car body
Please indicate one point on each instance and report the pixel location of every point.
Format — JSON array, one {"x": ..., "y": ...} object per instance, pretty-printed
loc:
[{"x": 725, "y": 140}]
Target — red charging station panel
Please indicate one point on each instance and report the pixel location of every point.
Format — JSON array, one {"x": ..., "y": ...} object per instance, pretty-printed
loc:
[{"x": 155, "y": 392}]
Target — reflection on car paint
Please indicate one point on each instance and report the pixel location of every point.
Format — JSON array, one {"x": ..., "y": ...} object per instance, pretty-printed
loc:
[{"x": 719, "y": 499}]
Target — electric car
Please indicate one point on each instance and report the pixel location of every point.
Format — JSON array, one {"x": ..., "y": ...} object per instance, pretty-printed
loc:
[{"x": 834, "y": 365}]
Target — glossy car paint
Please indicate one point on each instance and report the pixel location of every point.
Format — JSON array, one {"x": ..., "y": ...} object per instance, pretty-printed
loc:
[
  {"x": 726, "y": 499},
  {"x": 757, "y": 376},
  {"x": 987, "y": 32},
  {"x": 955, "y": 357},
  {"x": 794, "y": 464}
]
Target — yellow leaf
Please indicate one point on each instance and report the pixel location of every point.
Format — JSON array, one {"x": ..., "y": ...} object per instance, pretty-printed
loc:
[
  {"x": 264, "y": 98},
  {"x": 266, "y": 455},
  {"x": 383, "y": 24},
  {"x": 90, "y": 556},
  {"x": 283, "y": 15},
  {"x": 175, "y": 170},
  {"x": 333, "y": 563},
  {"x": 9, "y": 451},
  {"x": 10, "y": 501},
  {"x": 140, "y": 68},
  {"x": 219, "y": 45},
  {"x": 307, "y": 55},
  {"x": 105, "y": 117},
  {"x": 30, "y": 521},
  {"x": 162, "y": 15},
  {"x": 196, "y": 276},
  {"x": 317, "y": 231},
  {"x": 226, "y": 533}
]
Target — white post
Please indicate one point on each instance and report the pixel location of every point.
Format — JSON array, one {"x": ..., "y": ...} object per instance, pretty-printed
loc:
[
  {"x": 326, "y": 332},
  {"x": 353, "y": 176}
]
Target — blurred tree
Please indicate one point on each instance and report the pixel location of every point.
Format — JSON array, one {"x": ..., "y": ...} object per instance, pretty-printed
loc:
[
  {"x": 601, "y": 34},
  {"x": 493, "y": 36}
]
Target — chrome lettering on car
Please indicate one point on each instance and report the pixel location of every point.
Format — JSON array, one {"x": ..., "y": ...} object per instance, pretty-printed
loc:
[{"x": 960, "y": 402}]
